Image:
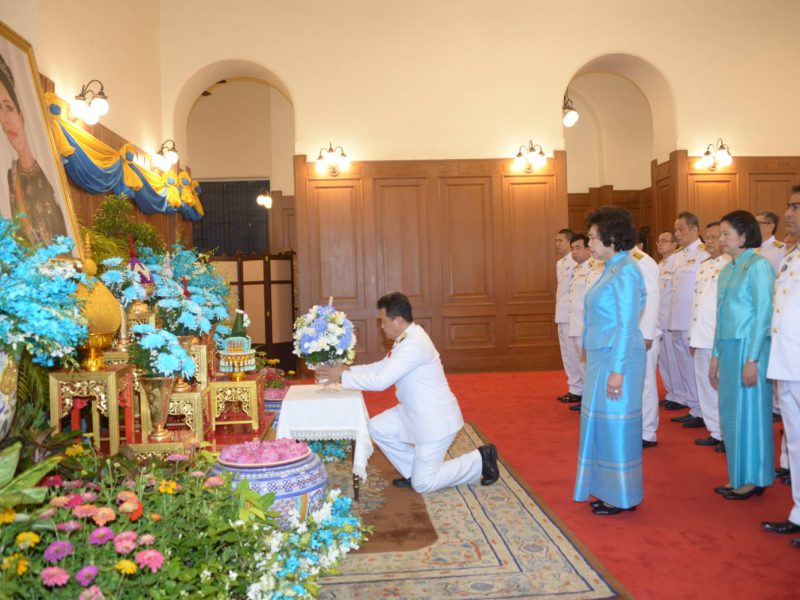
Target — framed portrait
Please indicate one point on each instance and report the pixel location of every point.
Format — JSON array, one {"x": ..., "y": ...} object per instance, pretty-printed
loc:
[{"x": 33, "y": 184}]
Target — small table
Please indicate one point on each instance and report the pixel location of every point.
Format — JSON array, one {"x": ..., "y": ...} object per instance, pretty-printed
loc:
[
  {"x": 248, "y": 393},
  {"x": 307, "y": 414}
]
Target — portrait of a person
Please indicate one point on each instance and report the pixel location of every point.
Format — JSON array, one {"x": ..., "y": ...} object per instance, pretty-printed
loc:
[{"x": 31, "y": 196}]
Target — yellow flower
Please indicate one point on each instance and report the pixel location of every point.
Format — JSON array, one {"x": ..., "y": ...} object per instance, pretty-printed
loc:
[
  {"x": 167, "y": 486},
  {"x": 21, "y": 562},
  {"x": 7, "y": 516},
  {"x": 22, "y": 565},
  {"x": 27, "y": 539},
  {"x": 74, "y": 450},
  {"x": 126, "y": 567},
  {"x": 290, "y": 373}
]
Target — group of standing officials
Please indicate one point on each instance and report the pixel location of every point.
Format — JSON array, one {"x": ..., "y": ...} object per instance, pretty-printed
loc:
[{"x": 720, "y": 321}]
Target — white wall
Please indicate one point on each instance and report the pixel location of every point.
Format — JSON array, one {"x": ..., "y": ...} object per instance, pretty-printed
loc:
[
  {"x": 584, "y": 147},
  {"x": 282, "y": 127}
]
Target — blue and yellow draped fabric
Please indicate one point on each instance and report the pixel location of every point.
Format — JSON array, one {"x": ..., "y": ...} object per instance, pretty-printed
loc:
[{"x": 98, "y": 168}]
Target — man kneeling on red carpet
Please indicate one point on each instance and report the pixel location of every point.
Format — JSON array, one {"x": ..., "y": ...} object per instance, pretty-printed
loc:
[{"x": 415, "y": 434}]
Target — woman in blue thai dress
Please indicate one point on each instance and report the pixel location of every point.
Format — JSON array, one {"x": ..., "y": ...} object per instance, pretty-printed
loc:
[
  {"x": 739, "y": 364},
  {"x": 610, "y": 450}
]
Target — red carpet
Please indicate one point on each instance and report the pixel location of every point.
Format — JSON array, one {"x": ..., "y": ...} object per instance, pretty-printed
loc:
[{"x": 684, "y": 541}]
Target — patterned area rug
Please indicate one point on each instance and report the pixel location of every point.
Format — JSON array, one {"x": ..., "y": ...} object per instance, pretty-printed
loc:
[{"x": 499, "y": 541}]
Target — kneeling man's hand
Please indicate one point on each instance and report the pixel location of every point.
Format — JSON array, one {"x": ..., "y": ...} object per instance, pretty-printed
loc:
[{"x": 333, "y": 373}]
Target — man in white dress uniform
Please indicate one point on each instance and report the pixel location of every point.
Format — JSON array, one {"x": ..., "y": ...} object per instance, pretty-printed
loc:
[
  {"x": 687, "y": 259},
  {"x": 783, "y": 363},
  {"x": 569, "y": 357},
  {"x": 649, "y": 327},
  {"x": 771, "y": 249},
  {"x": 701, "y": 332},
  {"x": 415, "y": 434},
  {"x": 666, "y": 246}
]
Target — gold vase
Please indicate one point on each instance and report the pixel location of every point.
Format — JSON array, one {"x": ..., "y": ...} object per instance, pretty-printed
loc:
[
  {"x": 187, "y": 341},
  {"x": 158, "y": 391},
  {"x": 91, "y": 351},
  {"x": 122, "y": 338}
]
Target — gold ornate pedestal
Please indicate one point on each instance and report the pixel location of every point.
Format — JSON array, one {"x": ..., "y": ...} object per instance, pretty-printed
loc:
[
  {"x": 108, "y": 390},
  {"x": 193, "y": 406},
  {"x": 248, "y": 393}
]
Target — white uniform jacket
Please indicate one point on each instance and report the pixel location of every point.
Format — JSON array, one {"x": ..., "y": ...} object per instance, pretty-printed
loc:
[
  {"x": 704, "y": 309},
  {"x": 564, "y": 268},
  {"x": 785, "y": 350},
  {"x": 683, "y": 279},
  {"x": 583, "y": 278},
  {"x": 428, "y": 409},
  {"x": 773, "y": 251},
  {"x": 648, "y": 322},
  {"x": 665, "y": 269}
]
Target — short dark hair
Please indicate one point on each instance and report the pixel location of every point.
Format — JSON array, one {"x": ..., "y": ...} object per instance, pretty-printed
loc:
[
  {"x": 579, "y": 237},
  {"x": 567, "y": 233},
  {"x": 712, "y": 224},
  {"x": 396, "y": 305},
  {"x": 745, "y": 224},
  {"x": 641, "y": 237},
  {"x": 796, "y": 189},
  {"x": 771, "y": 217},
  {"x": 690, "y": 219},
  {"x": 672, "y": 237},
  {"x": 614, "y": 227}
]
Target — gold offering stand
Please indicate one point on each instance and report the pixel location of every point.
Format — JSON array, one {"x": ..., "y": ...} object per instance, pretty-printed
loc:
[{"x": 247, "y": 392}]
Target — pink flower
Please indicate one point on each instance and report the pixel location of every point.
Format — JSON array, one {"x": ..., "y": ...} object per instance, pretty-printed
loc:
[
  {"x": 69, "y": 526},
  {"x": 84, "y": 511},
  {"x": 74, "y": 500},
  {"x": 153, "y": 559},
  {"x": 52, "y": 481},
  {"x": 89, "y": 496},
  {"x": 57, "y": 550},
  {"x": 86, "y": 575},
  {"x": 93, "y": 593},
  {"x": 197, "y": 474},
  {"x": 59, "y": 501},
  {"x": 104, "y": 515},
  {"x": 91, "y": 485},
  {"x": 54, "y": 577},
  {"x": 129, "y": 483},
  {"x": 48, "y": 513},
  {"x": 214, "y": 481},
  {"x": 125, "y": 542},
  {"x": 100, "y": 536},
  {"x": 73, "y": 485},
  {"x": 177, "y": 457},
  {"x": 125, "y": 496},
  {"x": 146, "y": 539}
]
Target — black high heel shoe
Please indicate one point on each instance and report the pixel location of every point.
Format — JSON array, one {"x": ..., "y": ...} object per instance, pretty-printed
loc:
[
  {"x": 723, "y": 489},
  {"x": 733, "y": 495},
  {"x": 596, "y": 503},
  {"x": 607, "y": 509}
]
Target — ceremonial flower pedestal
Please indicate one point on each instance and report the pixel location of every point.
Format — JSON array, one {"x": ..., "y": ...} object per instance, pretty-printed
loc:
[
  {"x": 286, "y": 467},
  {"x": 9, "y": 369},
  {"x": 158, "y": 391}
]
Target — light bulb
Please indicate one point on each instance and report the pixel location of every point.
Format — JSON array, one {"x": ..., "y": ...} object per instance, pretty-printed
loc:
[
  {"x": 708, "y": 159},
  {"x": 78, "y": 108},
  {"x": 331, "y": 157},
  {"x": 724, "y": 158},
  {"x": 570, "y": 117},
  {"x": 90, "y": 117},
  {"x": 539, "y": 160},
  {"x": 519, "y": 162},
  {"x": 99, "y": 106},
  {"x": 266, "y": 202},
  {"x": 170, "y": 157},
  {"x": 322, "y": 165},
  {"x": 344, "y": 163}
]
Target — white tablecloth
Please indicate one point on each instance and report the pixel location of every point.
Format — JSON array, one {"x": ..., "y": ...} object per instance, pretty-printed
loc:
[{"x": 309, "y": 415}]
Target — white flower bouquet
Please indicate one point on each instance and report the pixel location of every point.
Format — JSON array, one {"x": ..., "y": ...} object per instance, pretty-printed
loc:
[{"x": 324, "y": 334}]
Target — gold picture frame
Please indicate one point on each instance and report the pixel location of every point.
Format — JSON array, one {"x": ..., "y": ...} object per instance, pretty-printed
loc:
[{"x": 32, "y": 178}]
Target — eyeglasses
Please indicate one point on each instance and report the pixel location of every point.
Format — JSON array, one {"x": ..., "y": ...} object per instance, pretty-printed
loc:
[{"x": 763, "y": 222}]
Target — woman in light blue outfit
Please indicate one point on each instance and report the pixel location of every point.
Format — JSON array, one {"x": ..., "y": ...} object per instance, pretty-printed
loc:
[
  {"x": 739, "y": 364},
  {"x": 610, "y": 450}
]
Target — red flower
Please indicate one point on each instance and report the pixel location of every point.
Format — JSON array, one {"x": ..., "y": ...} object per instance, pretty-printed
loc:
[{"x": 52, "y": 481}]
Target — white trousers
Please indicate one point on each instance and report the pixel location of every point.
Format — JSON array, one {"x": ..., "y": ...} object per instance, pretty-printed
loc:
[
  {"x": 789, "y": 393},
  {"x": 650, "y": 393},
  {"x": 423, "y": 463},
  {"x": 571, "y": 357},
  {"x": 776, "y": 401},
  {"x": 577, "y": 348},
  {"x": 664, "y": 351},
  {"x": 708, "y": 396},
  {"x": 683, "y": 378}
]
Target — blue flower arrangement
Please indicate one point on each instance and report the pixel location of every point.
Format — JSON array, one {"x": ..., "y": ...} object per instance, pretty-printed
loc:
[
  {"x": 330, "y": 450},
  {"x": 38, "y": 308},
  {"x": 158, "y": 353},
  {"x": 324, "y": 334},
  {"x": 122, "y": 282}
]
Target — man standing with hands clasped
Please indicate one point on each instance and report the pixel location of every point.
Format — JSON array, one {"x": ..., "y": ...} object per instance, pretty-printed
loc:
[{"x": 415, "y": 434}]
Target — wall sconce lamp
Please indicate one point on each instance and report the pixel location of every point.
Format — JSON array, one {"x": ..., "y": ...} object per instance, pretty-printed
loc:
[
  {"x": 264, "y": 199},
  {"x": 90, "y": 105},
  {"x": 570, "y": 115},
  {"x": 166, "y": 156},
  {"x": 332, "y": 160},
  {"x": 716, "y": 155},
  {"x": 530, "y": 158}
]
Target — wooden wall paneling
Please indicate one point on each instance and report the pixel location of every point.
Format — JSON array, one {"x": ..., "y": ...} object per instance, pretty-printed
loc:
[
  {"x": 282, "y": 223},
  {"x": 579, "y": 209},
  {"x": 771, "y": 191},
  {"x": 712, "y": 196}
]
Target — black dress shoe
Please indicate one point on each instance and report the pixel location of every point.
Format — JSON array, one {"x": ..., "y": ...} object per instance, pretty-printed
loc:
[
  {"x": 672, "y": 405},
  {"x": 723, "y": 489},
  {"x": 780, "y": 472},
  {"x": 663, "y": 402},
  {"x": 561, "y": 398},
  {"x": 734, "y": 495},
  {"x": 570, "y": 398},
  {"x": 489, "y": 472},
  {"x": 575, "y": 407},
  {"x": 682, "y": 418},
  {"x": 720, "y": 448},
  {"x": 596, "y": 503},
  {"x": 606, "y": 509},
  {"x": 694, "y": 423},
  {"x": 780, "y": 526},
  {"x": 649, "y": 444},
  {"x": 402, "y": 482},
  {"x": 776, "y": 418},
  {"x": 707, "y": 441}
]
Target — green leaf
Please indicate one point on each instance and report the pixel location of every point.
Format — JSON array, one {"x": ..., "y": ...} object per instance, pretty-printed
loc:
[{"x": 8, "y": 462}]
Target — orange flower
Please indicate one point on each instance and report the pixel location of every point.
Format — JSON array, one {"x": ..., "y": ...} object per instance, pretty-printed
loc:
[
  {"x": 154, "y": 517},
  {"x": 104, "y": 515},
  {"x": 126, "y": 495},
  {"x": 132, "y": 508},
  {"x": 84, "y": 510}
]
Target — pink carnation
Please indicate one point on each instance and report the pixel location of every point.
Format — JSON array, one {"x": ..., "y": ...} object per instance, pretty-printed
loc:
[
  {"x": 100, "y": 536},
  {"x": 69, "y": 526},
  {"x": 153, "y": 559},
  {"x": 92, "y": 593},
  {"x": 54, "y": 577},
  {"x": 125, "y": 542},
  {"x": 89, "y": 496},
  {"x": 57, "y": 550},
  {"x": 146, "y": 539},
  {"x": 213, "y": 482},
  {"x": 74, "y": 500}
]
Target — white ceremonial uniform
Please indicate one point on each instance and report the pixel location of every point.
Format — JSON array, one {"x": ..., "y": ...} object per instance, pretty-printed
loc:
[
  {"x": 415, "y": 434},
  {"x": 774, "y": 251},
  {"x": 783, "y": 363},
  {"x": 571, "y": 359},
  {"x": 680, "y": 317},
  {"x": 701, "y": 338},
  {"x": 665, "y": 358},
  {"x": 648, "y": 325},
  {"x": 584, "y": 277}
]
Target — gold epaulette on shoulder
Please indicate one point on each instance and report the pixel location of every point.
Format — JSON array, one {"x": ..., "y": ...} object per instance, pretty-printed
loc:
[
  {"x": 778, "y": 244},
  {"x": 791, "y": 248},
  {"x": 702, "y": 246},
  {"x": 679, "y": 248},
  {"x": 598, "y": 265},
  {"x": 638, "y": 255}
]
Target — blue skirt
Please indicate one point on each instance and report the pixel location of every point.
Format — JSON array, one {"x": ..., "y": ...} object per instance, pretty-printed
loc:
[
  {"x": 610, "y": 450},
  {"x": 745, "y": 417}
]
